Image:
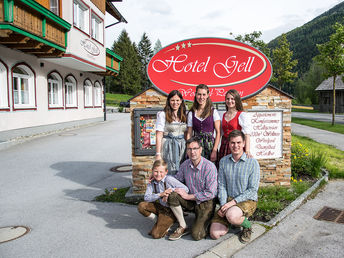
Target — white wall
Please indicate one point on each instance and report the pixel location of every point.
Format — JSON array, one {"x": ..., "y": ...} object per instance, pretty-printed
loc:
[
  {"x": 44, "y": 116},
  {"x": 77, "y": 39}
]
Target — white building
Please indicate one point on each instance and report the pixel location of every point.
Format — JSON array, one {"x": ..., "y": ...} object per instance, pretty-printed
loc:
[{"x": 52, "y": 61}]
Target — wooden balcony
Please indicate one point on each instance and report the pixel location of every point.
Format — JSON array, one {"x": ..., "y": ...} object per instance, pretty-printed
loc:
[
  {"x": 29, "y": 27},
  {"x": 113, "y": 64}
]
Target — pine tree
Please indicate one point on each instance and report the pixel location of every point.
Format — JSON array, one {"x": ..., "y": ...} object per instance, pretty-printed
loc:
[
  {"x": 253, "y": 39},
  {"x": 332, "y": 58},
  {"x": 129, "y": 79},
  {"x": 157, "y": 46},
  {"x": 145, "y": 54},
  {"x": 283, "y": 64}
]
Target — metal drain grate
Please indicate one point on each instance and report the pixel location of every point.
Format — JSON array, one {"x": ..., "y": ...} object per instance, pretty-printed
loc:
[
  {"x": 121, "y": 169},
  {"x": 330, "y": 214}
]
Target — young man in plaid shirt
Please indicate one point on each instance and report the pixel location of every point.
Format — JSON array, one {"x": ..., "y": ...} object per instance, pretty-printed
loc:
[{"x": 238, "y": 182}]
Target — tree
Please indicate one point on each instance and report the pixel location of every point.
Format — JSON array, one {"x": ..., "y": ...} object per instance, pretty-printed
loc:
[
  {"x": 332, "y": 58},
  {"x": 157, "y": 46},
  {"x": 253, "y": 39},
  {"x": 305, "y": 86},
  {"x": 129, "y": 78},
  {"x": 283, "y": 64},
  {"x": 145, "y": 54}
]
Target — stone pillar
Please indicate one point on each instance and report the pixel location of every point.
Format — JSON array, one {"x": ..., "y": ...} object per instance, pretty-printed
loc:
[
  {"x": 142, "y": 165},
  {"x": 274, "y": 171}
]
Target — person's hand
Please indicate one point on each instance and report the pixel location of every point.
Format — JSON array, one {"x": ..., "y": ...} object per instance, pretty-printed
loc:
[
  {"x": 181, "y": 192},
  {"x": 248, "y": 154},
  {"x": 165, "y": 198},
  {"x": 213, "y": 155},
  {"x": 226, "y": 206},
  {"x": 157, "y": 156},
  {"x": 168, "y": 191},
  {"x": 150, "y": 178},
  {"x": 221, "y": 214}
]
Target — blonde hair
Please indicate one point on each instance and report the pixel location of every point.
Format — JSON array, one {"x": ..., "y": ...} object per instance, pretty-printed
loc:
[{"x": 159, "y": 163}]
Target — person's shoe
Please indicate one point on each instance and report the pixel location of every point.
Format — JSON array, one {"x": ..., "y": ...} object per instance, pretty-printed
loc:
[
  {"x": 245, "y": 235},
  {"x": 178, "y": 233}
]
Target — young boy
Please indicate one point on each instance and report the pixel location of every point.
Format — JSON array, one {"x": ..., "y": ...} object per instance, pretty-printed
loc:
[{"x": 156, "y": 195}]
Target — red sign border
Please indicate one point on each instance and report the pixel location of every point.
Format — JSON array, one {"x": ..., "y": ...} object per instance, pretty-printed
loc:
[{"x": 243, "y": 98}]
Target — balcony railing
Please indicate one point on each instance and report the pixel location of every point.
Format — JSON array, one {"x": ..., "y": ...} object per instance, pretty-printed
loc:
[
  {"x": 29, "y": 27},
  {"x": 113, "y": 64}
]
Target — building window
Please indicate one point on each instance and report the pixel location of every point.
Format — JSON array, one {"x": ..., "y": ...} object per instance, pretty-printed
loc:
[
  {"x": 97, "y": 94},
  {"x": 54, "y": 7},
  {"x": 81, "y": 16},
  {"x": 88, "y": 97},
  {"x": 97, "y": 28},
  {"x": 55, "y": 91},
  {"x": 3, "y": 87},
  {"x": 23, "y": 87},
  {"x": 70, "y": 84}
]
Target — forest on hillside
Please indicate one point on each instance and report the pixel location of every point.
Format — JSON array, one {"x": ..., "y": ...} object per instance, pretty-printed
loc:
[{"x": 303, "y": 40}]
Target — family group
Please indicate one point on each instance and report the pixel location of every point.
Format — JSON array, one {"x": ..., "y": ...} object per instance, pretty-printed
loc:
[{"x": 193, "y": 172}]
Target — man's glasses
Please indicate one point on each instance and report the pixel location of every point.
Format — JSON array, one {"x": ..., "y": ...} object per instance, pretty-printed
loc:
[{"x": 192, "y": 149}]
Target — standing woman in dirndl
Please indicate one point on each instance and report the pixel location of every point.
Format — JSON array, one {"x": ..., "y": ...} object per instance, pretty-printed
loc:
[
  {"x": 171, "y": 131},
  {"x": 203, "y": 121},
  {"x": 234, "y": 119}
]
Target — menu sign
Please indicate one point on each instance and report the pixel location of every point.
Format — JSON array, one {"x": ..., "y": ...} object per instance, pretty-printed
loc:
[
  {"x": 221, "y": 64},
  {"x": 267, "y": 134}
]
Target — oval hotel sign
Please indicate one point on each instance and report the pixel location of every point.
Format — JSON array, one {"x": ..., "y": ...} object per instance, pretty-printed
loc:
[{"x": 221, "y": 64}]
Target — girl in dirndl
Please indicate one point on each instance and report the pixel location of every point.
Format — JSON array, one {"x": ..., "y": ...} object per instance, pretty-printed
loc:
[
  {"x": 171, "y": 131},
  {"x": 204, "y": 122},
  {"x": 234, "y": 119}
]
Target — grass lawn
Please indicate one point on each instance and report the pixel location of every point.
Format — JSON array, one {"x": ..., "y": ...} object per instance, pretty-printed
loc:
[
  {"x": 273, "y": 199},
  {"x": 304, "y": 110},
  {"x": 336, "y": 128},
  {"x": 115, "y": 99}
]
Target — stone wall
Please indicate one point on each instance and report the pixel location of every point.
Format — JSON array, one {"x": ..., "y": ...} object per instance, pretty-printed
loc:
[{"x": 273, "y": 171}]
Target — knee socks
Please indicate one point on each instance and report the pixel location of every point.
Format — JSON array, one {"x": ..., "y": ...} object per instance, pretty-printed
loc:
[
  {"x": 178, "y": 212},
  {"x": 246, "y": 223}
]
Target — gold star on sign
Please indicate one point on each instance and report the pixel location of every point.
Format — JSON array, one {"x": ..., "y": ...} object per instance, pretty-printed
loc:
[
  {"x": 183, "y": 45},
  {"x": 189, "y": 44},
  {"x": 177, "y": 47}
]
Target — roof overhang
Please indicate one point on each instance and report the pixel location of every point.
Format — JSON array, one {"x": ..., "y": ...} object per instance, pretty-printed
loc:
[
  {"x": 76, "y": 63},
  {"x": 111, "y": 9}
]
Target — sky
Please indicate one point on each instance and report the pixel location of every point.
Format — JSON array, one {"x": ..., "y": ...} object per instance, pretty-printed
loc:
[{"x": 174, "y": 20}]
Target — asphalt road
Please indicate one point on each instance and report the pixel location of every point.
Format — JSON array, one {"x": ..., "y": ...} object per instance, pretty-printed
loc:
[{"x": 339, "y": 119}]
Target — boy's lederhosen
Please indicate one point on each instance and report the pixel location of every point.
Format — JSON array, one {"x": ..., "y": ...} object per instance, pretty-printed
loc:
[
  {"x": 248, "y": 208},
  {"x": 165, "y": 215}
]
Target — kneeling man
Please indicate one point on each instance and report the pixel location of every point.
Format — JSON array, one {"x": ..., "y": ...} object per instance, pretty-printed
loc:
[
  {"x": 200, "y": 176},
  {"x": 238, "y": 183}
]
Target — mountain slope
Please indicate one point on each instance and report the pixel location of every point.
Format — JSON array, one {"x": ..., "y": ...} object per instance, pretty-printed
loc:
[{"x": 303, "y": 39}]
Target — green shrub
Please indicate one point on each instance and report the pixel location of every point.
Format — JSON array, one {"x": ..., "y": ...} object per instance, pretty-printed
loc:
[
  {"x": 305, "y": 163},
  {"x": 113, "y": 195},
  {"x": 318, "y": 160}
]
